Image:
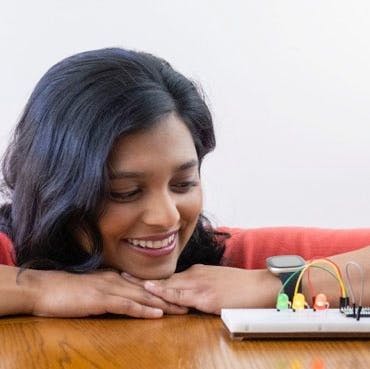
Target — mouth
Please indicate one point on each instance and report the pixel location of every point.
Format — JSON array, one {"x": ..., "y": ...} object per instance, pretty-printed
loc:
[{"x": 153, "y": 246}]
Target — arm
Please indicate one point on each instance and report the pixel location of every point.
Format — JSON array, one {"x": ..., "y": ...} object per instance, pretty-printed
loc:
[
  {"x": 62, "y": 294},
  {"x": 15, "y": 299},
  {"x": 210, "y": 288},
  {"x": 323, "y": 282}
]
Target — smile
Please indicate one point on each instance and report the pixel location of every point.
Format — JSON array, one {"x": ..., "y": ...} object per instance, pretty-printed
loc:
[{"x": 151, "y": 244}]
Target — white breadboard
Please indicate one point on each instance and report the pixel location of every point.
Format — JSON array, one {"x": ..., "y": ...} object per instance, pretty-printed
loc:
[{"x": 270, "y": 323}]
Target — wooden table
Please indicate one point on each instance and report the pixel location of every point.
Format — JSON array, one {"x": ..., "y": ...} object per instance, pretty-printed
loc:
[{"x": 192, "y": 341}]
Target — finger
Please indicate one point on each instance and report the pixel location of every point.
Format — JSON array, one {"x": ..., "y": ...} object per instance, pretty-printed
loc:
[
  {"x": 183, "y": 280},
  {"x": 146, "y": 298},
  {"x": 132, "y": 279},
  {"x": 178, "y": 296},
  {"x": 173, "y": 309},
  {"x": 139, "y": 294},
  {"x": 186, "y": 280},
  {"x": 121, "y": 305}
]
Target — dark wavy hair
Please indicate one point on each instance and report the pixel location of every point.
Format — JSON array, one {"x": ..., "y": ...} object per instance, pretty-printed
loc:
[{"x": 55, "y": 168}]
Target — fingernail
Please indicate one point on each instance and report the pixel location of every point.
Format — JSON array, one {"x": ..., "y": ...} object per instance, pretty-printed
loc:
[
  {"x": 158, "y": 312},
  {"x": 149, "y": 285}
]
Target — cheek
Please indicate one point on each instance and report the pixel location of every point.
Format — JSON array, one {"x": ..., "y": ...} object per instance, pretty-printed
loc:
[
  {"x": 115, "y": 220},
  {"x": 191, "y": 206},
  {"x": 118, "y": 219}
]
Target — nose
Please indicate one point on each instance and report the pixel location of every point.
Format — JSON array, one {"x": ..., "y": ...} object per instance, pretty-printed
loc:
[{"x": 161, "y": 211}]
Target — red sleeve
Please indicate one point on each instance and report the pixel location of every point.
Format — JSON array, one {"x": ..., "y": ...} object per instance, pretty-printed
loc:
[
  {"x": 248, "y": 248},
  {"x": 6, "y": 250}
]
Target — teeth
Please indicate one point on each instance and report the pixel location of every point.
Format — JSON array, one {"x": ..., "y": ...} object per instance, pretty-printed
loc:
[
  {"x": 158, "y": 244},
  {"x": 152, "y": 244}
]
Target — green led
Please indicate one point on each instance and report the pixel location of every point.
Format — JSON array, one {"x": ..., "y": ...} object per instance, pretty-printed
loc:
[{"x": 282, "y": 302}]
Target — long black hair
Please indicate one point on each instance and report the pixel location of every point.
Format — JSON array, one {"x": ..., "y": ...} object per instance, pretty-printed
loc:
[{"x": 55, "y": 168}]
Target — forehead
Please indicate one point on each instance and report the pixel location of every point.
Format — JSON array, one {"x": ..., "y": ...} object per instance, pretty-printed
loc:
[{"x": 168, "y": 142}]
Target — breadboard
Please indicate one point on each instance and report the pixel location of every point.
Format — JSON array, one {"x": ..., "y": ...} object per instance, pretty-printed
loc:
[{"x": 270, "y": 323}]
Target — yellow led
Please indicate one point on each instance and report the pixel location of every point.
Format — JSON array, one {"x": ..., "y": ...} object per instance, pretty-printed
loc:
[{"x": 299, "y": 302}]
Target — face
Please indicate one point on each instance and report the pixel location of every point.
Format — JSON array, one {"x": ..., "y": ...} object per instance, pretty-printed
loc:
[{"x": 155, "y": 200}]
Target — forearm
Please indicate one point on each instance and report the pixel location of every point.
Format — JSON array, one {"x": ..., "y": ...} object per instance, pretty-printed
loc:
[
  {"x": 263, "y": 288},
  {"x": 210, "y": 288},
  {"x": 323, "y": 282},
  {"x": 15, "y": 298}
]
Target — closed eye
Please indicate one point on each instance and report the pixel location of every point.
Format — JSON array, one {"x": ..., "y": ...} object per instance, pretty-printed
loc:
[
  {"x": 125, "y": 196},
  {"x": 183, "y": 187}
]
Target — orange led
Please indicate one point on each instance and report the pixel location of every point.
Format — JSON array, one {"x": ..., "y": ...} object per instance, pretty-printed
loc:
[{"x": 321, "y": 302}]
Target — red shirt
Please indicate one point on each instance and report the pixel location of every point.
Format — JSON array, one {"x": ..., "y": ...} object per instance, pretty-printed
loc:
[
  {"x": 248, "y": 248},
  {"x": 6, "y": 250}
]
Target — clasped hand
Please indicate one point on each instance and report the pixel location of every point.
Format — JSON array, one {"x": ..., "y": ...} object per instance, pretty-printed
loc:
[{"x": 203, "y": 287}]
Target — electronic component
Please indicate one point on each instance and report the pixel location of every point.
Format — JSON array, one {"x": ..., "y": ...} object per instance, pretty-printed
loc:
[
  {"x": 320, "y": 301},
  {"x": 269, "y": 323},
  {"x": 356, "y": 311},
  {"x": 295, "y": 319}
]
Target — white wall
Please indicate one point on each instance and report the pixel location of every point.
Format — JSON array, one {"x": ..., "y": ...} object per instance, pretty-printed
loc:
[{"x": 288, "y": 83}]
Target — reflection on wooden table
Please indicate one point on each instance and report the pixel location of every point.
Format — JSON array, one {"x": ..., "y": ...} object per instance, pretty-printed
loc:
[{"x": 192, "y": 341}]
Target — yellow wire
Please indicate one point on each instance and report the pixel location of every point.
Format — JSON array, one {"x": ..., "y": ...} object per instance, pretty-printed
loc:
[{"x": 318, "y": 261}]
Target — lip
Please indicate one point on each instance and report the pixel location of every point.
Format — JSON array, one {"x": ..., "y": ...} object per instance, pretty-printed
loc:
[
  {"x": 154, "y": 237},
  {"x": 154, "y": 252}
]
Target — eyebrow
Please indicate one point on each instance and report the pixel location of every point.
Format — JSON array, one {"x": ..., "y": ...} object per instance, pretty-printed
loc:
[{"x": 128, "y": 174}]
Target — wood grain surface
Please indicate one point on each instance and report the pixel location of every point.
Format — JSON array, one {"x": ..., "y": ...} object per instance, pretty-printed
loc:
[{"x": 192, "y": 341}]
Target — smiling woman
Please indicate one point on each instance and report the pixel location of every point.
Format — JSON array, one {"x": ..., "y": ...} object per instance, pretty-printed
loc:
[
  {"x": 105, "y": 201},
  {"x": 155, "y": 200},
  {"x": 90, "y": 117}
]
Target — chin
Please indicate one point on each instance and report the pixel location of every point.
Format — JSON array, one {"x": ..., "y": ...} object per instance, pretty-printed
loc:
[{"x": 154, "y": 274}]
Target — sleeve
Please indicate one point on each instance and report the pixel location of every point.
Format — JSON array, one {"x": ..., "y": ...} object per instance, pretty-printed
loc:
[
  {"x": 249, "y": 248},
  {"x": 6, "y": 250}
]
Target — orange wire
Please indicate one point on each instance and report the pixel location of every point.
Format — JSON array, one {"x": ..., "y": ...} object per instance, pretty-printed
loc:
[
  {"x": 330, "y": 261},
  {"x": 310, "y": 286}
]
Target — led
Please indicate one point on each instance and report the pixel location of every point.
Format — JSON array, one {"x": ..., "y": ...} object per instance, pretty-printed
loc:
[
  {"x": 321, "y": 302},
  {"x": 299, "y": 302},
  {"x": 282, "y": 302}
]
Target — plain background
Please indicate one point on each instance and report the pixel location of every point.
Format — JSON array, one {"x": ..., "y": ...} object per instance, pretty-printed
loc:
[{"x": 288, "y": 83}]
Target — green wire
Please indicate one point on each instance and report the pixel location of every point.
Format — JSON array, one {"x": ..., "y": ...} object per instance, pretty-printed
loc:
[{"x": 299, "y": 270}]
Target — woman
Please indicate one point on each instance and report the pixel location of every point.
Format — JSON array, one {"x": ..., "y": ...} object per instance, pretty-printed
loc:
[{"x": 103, "y": 176}]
